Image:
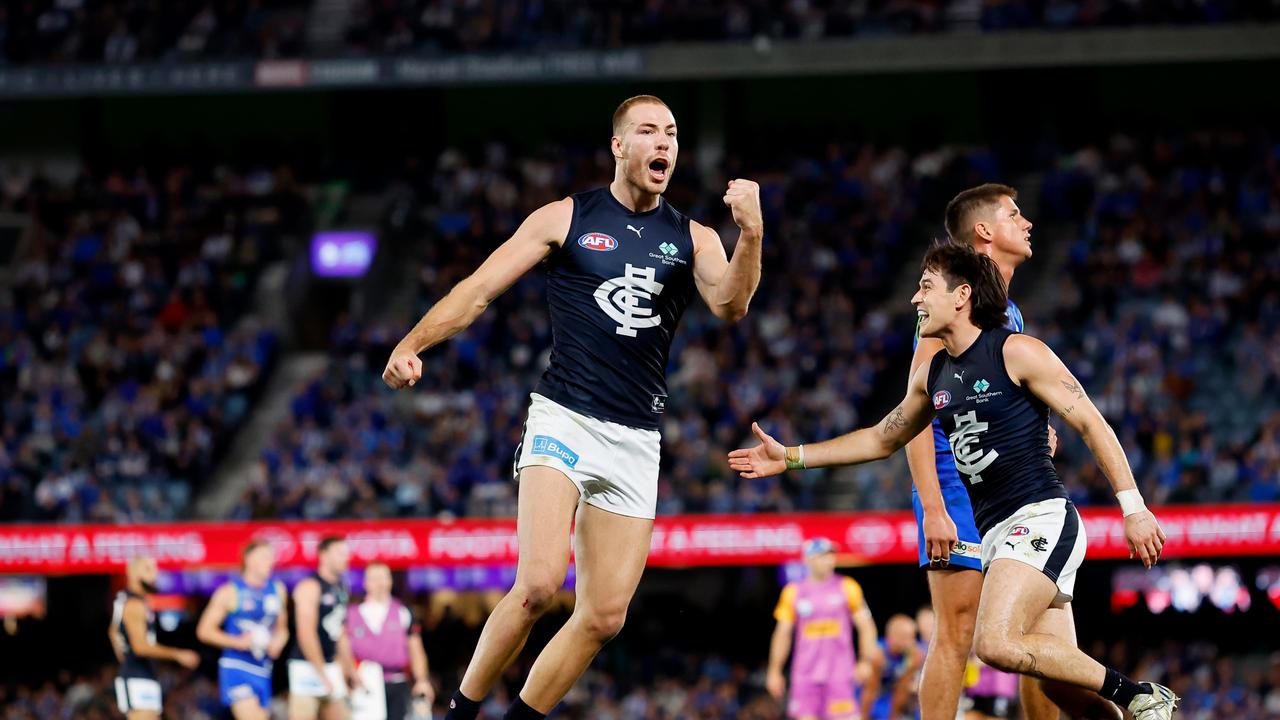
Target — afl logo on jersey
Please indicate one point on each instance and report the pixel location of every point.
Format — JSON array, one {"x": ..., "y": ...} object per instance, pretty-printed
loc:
[
  {"x": 941, "y": 399},
  {"x": 598, "y": 242}
]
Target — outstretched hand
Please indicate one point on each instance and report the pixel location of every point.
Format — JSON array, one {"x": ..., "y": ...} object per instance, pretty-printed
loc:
[{"x": 767, "y": 458}]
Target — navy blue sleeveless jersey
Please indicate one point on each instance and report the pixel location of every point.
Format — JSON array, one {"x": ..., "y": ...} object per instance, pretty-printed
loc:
[
  {"x": 616, "y": 289},
  {"x": 998, "y": 430},
  {"x": 133, "y": 666},
  {"x": 331, "y": 618},
  {"x": 947, "y": 475}
]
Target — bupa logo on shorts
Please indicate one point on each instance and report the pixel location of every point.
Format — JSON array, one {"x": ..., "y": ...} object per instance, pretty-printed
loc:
[
  {"x": 145, "y": 694},
  {"x": 598, "y": 242},
  {"x": 547, "y": 445},
  {"x": 941, "y": 399}
]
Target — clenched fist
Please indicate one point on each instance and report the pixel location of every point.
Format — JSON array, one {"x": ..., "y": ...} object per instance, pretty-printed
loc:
[
  {"x": 403, "y": 369},
  {"x": 743, "y": 199}
]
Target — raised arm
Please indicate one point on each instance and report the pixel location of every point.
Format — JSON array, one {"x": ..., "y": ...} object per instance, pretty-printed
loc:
[
  {"x": 939, "y": 529},
  {"x": 727, "y": 286},
  {"x": 906, "y": 421},
  {"x": 541, "y": 233},
  {"x": 1033, "y": 365},
  {"x": 209, "y": 630}
]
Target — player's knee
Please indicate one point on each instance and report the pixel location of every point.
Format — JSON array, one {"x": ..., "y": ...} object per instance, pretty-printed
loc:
[
  {"x": 604, "y": 624},
  {"x": 535, "y": 596},
  {"x": 998, "y": 652}
]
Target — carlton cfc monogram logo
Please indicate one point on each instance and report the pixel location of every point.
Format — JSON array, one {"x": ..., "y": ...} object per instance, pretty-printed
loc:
[
  {"x": 970, "y": 459},
  {"x": 620, "y": 299}
]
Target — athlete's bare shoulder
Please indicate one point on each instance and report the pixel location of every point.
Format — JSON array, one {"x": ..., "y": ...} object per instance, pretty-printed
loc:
[
  {"x": 704, "y": 236},
  {"x": 1025, "y": 351},
  {"x": 549, "y": 223}
]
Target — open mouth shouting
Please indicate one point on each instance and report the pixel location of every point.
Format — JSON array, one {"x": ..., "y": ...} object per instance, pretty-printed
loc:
[{"x": 659, "y": 168}]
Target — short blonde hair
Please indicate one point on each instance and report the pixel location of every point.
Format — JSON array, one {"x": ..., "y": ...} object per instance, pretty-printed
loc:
[{"x": 620, "y": 115}]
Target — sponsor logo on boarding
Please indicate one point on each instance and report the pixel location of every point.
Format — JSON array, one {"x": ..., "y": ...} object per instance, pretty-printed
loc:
[
  {"x": 598, "y": 241},
  {"x": 547, "y": 445},
  {"x": 941, "y": 399}
]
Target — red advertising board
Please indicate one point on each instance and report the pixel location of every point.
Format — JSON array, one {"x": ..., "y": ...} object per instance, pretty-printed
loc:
[{"x": 682, "y": 540}]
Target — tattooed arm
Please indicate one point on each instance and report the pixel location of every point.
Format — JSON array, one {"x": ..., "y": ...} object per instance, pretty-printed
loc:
[
  {"x": 912, "y": 415},
  {"x": 1033, "y": 365},
  {"x": 897, "y": 428}
]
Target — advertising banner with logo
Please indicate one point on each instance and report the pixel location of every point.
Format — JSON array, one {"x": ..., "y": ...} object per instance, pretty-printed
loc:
[{"x": 678, "y": 541}]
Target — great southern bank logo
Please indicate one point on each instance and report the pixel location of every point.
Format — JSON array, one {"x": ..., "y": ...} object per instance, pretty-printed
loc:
[
  {"x": 547, "y": 445},
  {"x": 598, "y": 242},
  {"x": 668, "y": 254}
]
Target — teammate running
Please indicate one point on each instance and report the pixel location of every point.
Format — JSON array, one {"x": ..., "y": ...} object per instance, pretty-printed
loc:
[
  {"x": 994, "y": 389},
  {"x": 820, "y": 612},
  {"x": 133, "y": 637},
  {"x": 246, "y": 618},
  {"x": 622, "y": 266},
  {"x": 321, "y": 661},
  {"x": 986, "y": 217}
]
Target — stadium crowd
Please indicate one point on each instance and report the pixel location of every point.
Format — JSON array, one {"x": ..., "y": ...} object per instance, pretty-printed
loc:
[
  {"x": 126, "y": 31},
  {"x": 1169, "y": 311},
  {"x": 128, "y": 351}
]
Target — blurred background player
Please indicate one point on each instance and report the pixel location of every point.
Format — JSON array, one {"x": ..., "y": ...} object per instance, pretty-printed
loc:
[
  {"x": 246, "y": 617},
  {"x": 133, "y": 636},
  {"x": 992, "y": 693},
  {"x": 895, "y": 676},
  {"x": 820, "y": 612},
  {"x": 320, "y": 664},
  {"x": 384, "y": 633},
  {"x": 623, "y": 265}
]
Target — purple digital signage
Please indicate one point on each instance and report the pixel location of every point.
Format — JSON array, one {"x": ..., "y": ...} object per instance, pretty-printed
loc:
[{"x": 342, "y": 253}]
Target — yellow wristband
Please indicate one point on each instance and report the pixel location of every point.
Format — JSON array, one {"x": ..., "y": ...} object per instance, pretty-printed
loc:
[{"x": 795, "y": 458}]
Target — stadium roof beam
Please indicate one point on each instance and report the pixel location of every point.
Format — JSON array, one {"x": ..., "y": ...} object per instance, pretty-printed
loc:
[{"x": 963, "y": 52}]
